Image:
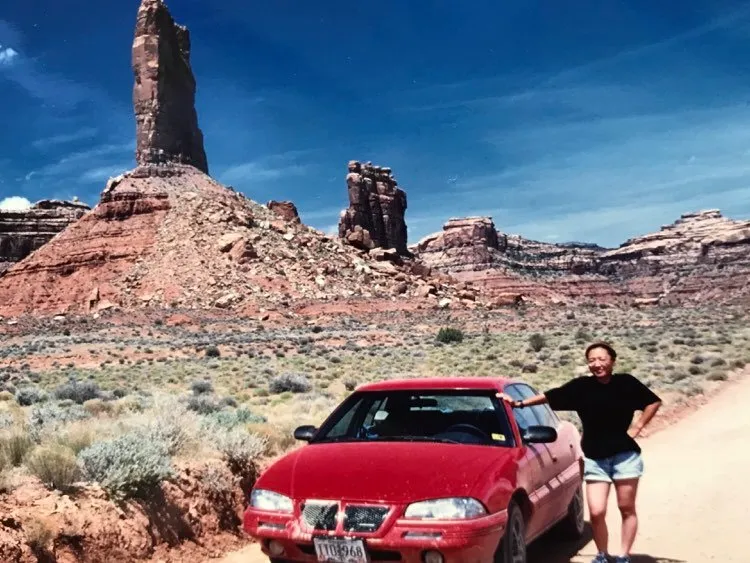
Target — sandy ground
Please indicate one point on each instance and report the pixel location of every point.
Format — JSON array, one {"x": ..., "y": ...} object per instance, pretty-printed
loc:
[{"x": 693, "y": 503}]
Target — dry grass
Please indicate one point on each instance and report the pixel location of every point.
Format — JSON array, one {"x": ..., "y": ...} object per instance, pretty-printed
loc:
[{"x": 244, "y": 380}]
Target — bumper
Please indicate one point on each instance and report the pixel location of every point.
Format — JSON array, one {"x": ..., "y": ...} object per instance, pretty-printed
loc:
[{"x": 472, "y": 541}]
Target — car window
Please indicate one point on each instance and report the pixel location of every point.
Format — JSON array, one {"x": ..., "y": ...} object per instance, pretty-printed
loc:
[
  {"x": 343, "y": 424},
  {"x": 524, "y": 417},
  {"x": 543, "y": 413},
  {"x": 456, "y": 416}
]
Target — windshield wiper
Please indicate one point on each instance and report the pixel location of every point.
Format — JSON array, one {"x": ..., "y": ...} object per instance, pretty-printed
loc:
[{"x": 414, "y": 439}]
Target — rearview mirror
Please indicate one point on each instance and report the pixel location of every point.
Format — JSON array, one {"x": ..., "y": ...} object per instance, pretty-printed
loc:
[
  {"x": 539, "y": 435},
  {"x": 305, "y": 433}
]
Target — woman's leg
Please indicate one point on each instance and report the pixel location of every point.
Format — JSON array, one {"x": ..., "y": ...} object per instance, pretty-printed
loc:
[
  {"x": 597, "y": 493},
  {"x": 626, "y": 490},
  {"x": 628, "y": 468}
]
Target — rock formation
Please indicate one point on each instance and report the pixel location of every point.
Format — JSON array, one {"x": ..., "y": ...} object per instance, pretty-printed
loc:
[
  {"x": 701, "y": 256},
  {"x": 164, "y": 92},
  {"x": 375, "y": 216},
  {"x": 23, "y": 232},
  {"x": 284, "y": 209}
]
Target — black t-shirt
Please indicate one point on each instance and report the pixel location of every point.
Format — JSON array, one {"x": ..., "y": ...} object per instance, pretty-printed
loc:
[{"x": 606, "y": 411}]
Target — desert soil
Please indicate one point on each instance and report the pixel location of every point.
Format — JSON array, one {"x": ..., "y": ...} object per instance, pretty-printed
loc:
[{"x": 694, "y": 502}]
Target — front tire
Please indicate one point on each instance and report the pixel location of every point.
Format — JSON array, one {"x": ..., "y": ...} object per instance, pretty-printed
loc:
[
  {"x": 512, "y": 548},
  {"x": 574, "y": 524}
]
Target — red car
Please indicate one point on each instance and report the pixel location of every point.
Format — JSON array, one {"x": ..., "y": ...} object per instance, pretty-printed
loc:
[{"x": 422, "y": 471}]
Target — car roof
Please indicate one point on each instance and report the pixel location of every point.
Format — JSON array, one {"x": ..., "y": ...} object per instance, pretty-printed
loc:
[{"x": 430, "y": 383}]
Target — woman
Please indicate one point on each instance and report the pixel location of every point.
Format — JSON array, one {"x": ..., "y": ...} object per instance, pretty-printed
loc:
[{"x": 606, "y": 402}]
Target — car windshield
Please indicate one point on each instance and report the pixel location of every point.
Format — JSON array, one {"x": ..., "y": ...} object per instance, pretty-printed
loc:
[{"x": 449, "y": 416}]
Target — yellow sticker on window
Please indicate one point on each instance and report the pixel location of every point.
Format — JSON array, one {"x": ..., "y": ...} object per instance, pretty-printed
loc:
[{"x": 498, "y": 437}]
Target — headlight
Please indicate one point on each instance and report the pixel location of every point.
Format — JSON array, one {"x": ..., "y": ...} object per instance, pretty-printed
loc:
[
  {"x": 446, "y": 509},
  {"x": 268, "y": 500}
]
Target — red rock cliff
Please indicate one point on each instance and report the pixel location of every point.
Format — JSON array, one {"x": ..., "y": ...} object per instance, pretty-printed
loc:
[
  {"x": 701, "y": 256},
  {"x": 23, "y": 232},
  {"x": 164, "y": 92}
]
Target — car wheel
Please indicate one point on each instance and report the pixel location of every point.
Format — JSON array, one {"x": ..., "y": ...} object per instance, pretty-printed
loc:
[
  {"x": 512, "y": 548},
  {"x": 573, "y": 525}
]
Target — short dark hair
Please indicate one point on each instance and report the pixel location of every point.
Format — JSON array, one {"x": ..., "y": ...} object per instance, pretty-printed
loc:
[{"x": 604, "y": 346}]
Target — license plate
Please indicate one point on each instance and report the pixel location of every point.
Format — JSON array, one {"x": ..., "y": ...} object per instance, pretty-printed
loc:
[{"x": 336, "y": 550}]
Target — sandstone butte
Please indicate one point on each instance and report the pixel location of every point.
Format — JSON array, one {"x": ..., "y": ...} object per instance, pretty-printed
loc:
[
  {"x": 375, "y": 216},
  {"x": 701, "y": 257},
  {"x": 22, "y": 232},
  {"x": 164, "y": 91},
  {"x": 166, "y": 234}
]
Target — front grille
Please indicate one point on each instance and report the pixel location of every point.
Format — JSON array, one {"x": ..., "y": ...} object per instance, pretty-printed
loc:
[
  {"x": 320, "y": 516},
  {"x": 365, "y": 519}
]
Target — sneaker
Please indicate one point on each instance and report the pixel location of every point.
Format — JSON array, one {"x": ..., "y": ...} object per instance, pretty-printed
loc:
[
  {"x": 622, "y": 559},
  {"x": 600, "y": 558}
]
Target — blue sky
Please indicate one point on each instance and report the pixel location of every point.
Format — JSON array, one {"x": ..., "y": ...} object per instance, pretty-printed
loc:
[{"x": 588, "y": 120}]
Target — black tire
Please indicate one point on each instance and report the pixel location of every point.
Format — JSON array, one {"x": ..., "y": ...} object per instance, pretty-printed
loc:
[
  {"x": 512, "y": 548},
  {"x": 573, "y": 525}
]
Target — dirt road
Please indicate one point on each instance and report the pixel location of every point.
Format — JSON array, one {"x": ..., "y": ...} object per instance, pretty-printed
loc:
[{"x": 694, "y": 501}]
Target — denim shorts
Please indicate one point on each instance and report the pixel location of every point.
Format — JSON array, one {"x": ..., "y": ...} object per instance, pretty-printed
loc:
[{"x": 625, "y": 465}]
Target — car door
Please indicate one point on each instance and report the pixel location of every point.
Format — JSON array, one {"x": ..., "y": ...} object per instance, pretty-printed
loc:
[
  {"x": 538, "y": 462},
  {"x": 561, "y": 477}
]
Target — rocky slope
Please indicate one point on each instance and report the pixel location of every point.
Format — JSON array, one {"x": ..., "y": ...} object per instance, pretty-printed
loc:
[
  {"x": 164, "y": 91},
  {"x": 375, "y": 216},
  {"x": 23, "y": 232},
  {"x": 700, "y": 256},
  {"x": 171, "y": 236}
]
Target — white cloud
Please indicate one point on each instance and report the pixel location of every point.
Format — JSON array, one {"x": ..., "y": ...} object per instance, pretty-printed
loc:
[
  {"x": 15, "y": 203},
  {"x": 64, "y": 138},
  {"x": 261, "y": 171},
  {"x": 103, "y": 173},
  {"x": 7, "y": 55}
]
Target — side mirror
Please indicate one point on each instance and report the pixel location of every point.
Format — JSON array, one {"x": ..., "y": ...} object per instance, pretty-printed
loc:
[
  {"x": 539, "y": 435},
  {"x": 305, "y": 433}
]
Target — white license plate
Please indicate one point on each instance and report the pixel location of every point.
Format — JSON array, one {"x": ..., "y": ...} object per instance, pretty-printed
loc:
[{"x": 338, "y": 550}]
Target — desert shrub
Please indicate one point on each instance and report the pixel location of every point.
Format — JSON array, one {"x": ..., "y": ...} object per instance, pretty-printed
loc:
[
  {"x": 228, "y": 402},
  {"x": 230, "y": 419},
  {"x": 447, "y": 335},
  {"x": 55, "y": 465},
  {"x": 27, "y": 396},
  {"x": 95, "y": 407},
  {"x": 582, "y": 335},
  {"x": 76, "y": 437},
  {"x": 38, "y": 536},
  {"x": 212, "y": 352},
  {"x": 717, "y": 376},
  {"x": 14, "y": 445},
  {"x": 537, "y": 341},
  {"x": 202, "y": 387},
  {"x": 203, "y": 404},
  {"x": 530, "y": 368},
  {"x": 278, "y": 439},
  {"x": 129, "y": 465},
  {"x": 697, "y": 360},
  {"x": 290, "y": 382},
  {"x": 6, "y": 420},
  {"x": 6, "y": 395},
  {"x": 350, "y": 384},
  {"x": 49, "y": 417},
  {"x": 78, "y": 392},
  {"x": 218, "y": 480},
  {"x": 239, "y": 448}
]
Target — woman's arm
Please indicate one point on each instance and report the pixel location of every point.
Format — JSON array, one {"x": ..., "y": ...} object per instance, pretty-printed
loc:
[
  {"x": 646, "y": 416},
  {"x": 530, "y": 402}
]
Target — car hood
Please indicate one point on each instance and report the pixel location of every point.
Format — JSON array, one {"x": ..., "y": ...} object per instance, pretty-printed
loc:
[{"x": 386, "y": 471}]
